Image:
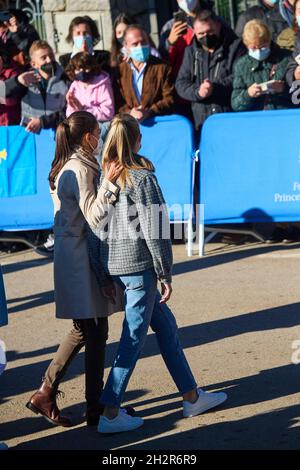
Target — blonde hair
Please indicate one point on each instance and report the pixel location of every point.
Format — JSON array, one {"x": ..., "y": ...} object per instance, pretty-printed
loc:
[
  {"x": 256, "y": 29},
  {"x": 37, "y": 45},
  {"x": 123, "y": 135}
]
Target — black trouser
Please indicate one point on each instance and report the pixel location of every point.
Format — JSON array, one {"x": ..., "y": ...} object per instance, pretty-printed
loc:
[{"x": 93, "y": 336}]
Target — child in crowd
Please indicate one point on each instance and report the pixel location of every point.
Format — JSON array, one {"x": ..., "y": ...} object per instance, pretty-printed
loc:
[{"x": 91, "y": 89}]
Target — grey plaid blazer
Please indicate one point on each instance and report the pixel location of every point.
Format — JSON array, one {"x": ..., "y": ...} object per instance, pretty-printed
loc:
[{"x": 136, "y": 236}]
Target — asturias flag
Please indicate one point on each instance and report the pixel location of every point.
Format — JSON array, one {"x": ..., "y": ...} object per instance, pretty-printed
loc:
[{"x": 17, "y": 162}]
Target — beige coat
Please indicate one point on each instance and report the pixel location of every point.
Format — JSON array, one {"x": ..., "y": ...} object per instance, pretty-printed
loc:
[{"x": 76, "y": 202}]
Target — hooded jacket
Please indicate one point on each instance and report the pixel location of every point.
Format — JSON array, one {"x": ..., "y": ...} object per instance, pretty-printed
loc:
[{"x": 96, "y": 98}]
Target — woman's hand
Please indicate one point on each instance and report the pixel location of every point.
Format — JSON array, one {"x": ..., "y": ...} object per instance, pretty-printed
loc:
[
  {"x": 166, "y": 292},
  {"x": 109, "y": 292},
  {"x": 113, "y": 171},
  {"x": 254, "y": 91}
]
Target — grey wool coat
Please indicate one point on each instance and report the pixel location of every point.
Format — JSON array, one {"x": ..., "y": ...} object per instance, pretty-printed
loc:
[{"x": 77, "y": 204}]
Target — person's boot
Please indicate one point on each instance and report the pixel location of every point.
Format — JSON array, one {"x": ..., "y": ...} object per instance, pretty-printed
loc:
[{"x": 43, "y": 402}]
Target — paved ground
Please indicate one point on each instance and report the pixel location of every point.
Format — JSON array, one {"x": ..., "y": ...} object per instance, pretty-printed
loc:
[{"x": 238, "y": 311}]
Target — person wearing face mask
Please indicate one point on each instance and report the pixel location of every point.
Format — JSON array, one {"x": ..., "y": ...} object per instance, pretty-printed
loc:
[
  {"x": 44, "y": 95},
  {"x": 118, "y": 52},
  {"x": 83, "y": 36},
  {"x": 143, "y": 86},
  {"x": 176, "y": 34},
  {"x": 81, "y": 293},
  {"x": 267, "y": 11},
  {"x": 265, "y": 62},
  {"x": 91, "y": 89},
  {"x": 120, "y": 25},
  {"x": 205, "y": 77},
  {"x": 293, "y": 69}
]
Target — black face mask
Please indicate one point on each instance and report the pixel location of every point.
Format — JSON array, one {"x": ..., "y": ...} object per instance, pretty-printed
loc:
[
  {"x": 84, "y": 76},
  {"x": 49, "y": 69},
  {"x": 210, "y": 41},
  {"x": 121, "y": 40}
]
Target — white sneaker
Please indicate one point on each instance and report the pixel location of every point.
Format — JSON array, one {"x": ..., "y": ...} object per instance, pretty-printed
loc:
[
  {"x": 205, "y": 402},
  {"x": 122, "y": 422}
]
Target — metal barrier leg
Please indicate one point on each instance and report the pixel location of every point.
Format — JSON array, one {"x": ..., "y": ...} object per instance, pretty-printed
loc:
[
  {"x": 190, "y": 238},
  {"x": 201, "y": 240}
]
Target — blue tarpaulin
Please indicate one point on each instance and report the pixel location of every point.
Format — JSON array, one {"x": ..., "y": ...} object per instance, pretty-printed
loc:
[
  {"x": 250, "y": 167},
  {"x": 168, "y": 142},
  {"x": 17, "y": 162}
]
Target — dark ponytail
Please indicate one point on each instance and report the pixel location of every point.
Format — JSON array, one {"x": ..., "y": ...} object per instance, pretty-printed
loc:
[{"x": 69, "y": 135}]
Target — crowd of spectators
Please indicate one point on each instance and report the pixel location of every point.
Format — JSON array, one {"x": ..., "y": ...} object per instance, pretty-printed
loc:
[{"x": 200, "y": 67}]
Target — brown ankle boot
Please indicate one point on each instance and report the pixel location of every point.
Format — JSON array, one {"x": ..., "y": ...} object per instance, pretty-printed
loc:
[{"x": 43, "y": 402}]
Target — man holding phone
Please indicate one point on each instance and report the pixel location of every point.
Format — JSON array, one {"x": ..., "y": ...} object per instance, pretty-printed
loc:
[
  {"x": 17, "y": 34},
  {"x": 178, "y": 32}
]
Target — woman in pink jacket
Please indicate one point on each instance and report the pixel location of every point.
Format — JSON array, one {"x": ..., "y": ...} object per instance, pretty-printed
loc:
[{"x": 91, "y": 89}]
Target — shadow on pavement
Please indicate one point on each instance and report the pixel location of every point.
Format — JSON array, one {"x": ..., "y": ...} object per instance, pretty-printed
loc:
[
  {"x": 216, "y": 259},
  {"x": 31, "y": 301},
  {"x": 26, "y": 378}
]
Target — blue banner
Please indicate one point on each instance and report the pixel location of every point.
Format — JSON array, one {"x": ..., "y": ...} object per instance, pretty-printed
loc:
[
  {"x": 168, "y": 142},
  {"x": 36, "y": 211},
  {"x": 250, "y": 167},
  {"x": 17, "y": 162}
]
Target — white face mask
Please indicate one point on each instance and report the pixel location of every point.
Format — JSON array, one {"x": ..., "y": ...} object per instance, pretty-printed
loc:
[
  {"x": 97, "y": 151},
  {"x": 187, "y": 5}
]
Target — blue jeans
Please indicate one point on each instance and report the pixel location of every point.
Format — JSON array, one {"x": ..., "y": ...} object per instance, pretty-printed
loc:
[{"x": 142, "y": 308}]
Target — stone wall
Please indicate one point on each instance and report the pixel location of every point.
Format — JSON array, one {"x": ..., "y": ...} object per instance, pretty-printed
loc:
[{"x": 58, "y": 10}]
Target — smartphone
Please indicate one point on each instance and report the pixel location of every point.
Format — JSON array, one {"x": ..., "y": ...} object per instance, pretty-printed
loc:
[
  {"x": 267, "y": 87},
  {"x": 180, "y": 16}
]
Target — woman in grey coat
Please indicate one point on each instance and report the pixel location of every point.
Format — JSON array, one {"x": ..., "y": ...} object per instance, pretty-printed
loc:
[{"x": 78, "y": 293}]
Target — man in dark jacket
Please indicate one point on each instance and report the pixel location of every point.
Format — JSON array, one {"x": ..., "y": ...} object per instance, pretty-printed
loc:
[
  {"x": 206, "y": 75},
  {"x": 269, "y": 12}
]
